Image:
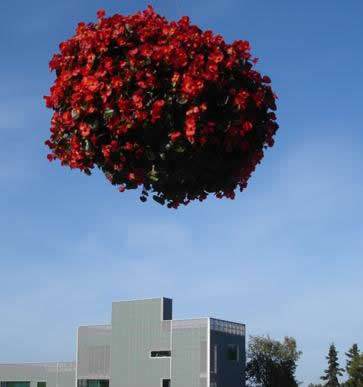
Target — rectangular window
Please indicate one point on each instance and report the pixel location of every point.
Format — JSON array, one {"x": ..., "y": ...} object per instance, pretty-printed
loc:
[
  {"x": 93, "y": 383},
  {"x": 41, "y": 384},
  {"x": 160, "y": 353},
  {"x": 166, "y": 383},
  {"x": 233, "y": 352},
  {"x": 15, "y": 384}
]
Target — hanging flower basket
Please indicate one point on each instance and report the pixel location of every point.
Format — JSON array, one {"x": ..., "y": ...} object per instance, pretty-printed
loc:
[{"x": 162, "y": 106}]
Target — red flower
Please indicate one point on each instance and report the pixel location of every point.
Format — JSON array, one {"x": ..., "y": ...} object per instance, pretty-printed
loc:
[
  {"x": 101, "y": 13},
  {"x": 137, "y": 99},
  {"x": 85, "y": 129},
  {"x": 174, "y": 136},
  {"x": 91, "y": 83},
  {"x": 217, "y": 56},
  {"x": 190, "y": 127},
  {"x": 175, "y": 78},
  {"x": 156, "y": 110},
  {"x": 146, "y": 50},
  {"x": 247, "y": 126},
  {"x": 144, "y": 100},
  {"x": 128, "y": 146}
]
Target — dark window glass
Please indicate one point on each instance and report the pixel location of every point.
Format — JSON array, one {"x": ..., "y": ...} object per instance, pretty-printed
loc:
[
  {"x": 15, "y": 384},
  {"x": 93, "y": 383},
  {"x": 166, "y": 382},
  {"x": 160, "y": 353},
  {"x": 41, "y": 384},
  {"x": 232, "y": 353}
]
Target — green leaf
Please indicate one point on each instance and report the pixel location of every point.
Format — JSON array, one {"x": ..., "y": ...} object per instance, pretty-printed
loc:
[
  {"x": 179, "y": 148},
  {"x": 87, "y": 146},
  {"x": 153, "y": 178},
  {"x": 159, "y": 199},
  {"x": 108, "y": 113},
  {"x": 153, "y": 174},
  {"x": 95, "y": 125},
  {"x": 131, "y": 185},
  {"x": 182, "y": 101},
  {"x": 150, "y": 154},
  {"x": 75, "y": 115}
]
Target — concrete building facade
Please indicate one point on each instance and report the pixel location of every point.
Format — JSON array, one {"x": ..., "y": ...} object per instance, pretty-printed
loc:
[{"x": 144, "y": 347}]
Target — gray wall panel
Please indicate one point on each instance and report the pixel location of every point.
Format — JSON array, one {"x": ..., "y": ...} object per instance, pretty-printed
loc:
[
  {"x": 189, "y": 353},
  {"x": 94, "y": 352},
  {"x": 137, "y": 330}
]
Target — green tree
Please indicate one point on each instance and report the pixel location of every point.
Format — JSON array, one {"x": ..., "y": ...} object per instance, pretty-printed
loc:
[
  {"x": 355, "y": 373},
  {"x": 272, "y": 363},
  {"x": 354, "y": 367},
  {"x": 333, "y": 371},
  {"x": 351, "y": 354}
]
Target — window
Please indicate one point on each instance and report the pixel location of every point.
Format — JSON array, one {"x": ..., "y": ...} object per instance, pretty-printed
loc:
[
  {"x": 233, "y": 352},
  {"x": 160, "y": 353},
  {"x": 98, "y": 383},
  {"x": 41, "y": 384},
  {"x": 93, "y": 383},
  {"x": 166, "y": 383},
  {"x": 14, "y": 384}
]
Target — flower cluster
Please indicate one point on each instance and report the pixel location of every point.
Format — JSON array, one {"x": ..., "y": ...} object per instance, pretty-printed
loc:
[{"x": 160, "y": 105}]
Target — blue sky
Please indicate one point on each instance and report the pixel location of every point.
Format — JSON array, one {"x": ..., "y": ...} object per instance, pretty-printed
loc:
[{"x": 285, "y": 257}]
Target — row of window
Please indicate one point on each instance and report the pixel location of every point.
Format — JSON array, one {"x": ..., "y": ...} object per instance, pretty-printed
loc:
[
  {"x": 21, "y": 384},
  {"x": 81, "y": 383},
  {"x": 92, "y": 383},
  {"x": 232, "y": 352}
]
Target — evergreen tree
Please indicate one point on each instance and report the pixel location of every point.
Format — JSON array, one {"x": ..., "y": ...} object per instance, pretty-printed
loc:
[
  {"x": 333, "y": 370},
  {"x": 355, "y": 372},
  {"x": 353, "y": 353}
]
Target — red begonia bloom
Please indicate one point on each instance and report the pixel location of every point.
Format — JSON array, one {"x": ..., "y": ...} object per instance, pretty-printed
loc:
[{"x": 161, "y": 105}]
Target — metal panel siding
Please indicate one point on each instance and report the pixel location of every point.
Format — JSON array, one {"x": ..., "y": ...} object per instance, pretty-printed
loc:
[
  {"x": 94, "y": 352},
  {"x": 61, "y": 375},
  {"x": 189, "y": 353},
  {"x": 137, "y": 330},
  {"x": 55, "y": 374},
  {"x": 228, "y": 373}
]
